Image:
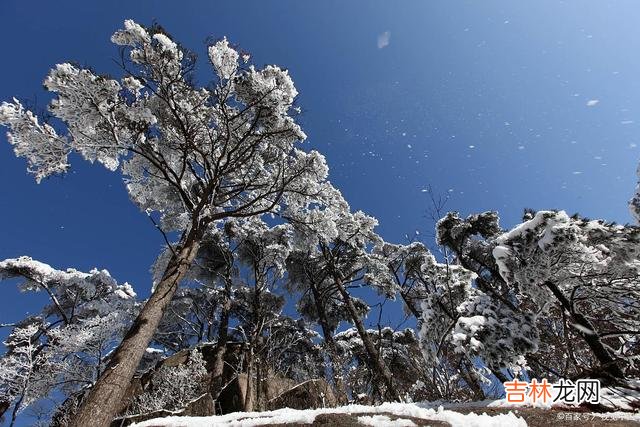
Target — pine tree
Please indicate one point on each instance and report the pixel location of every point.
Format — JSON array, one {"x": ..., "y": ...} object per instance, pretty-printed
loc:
[{"x": 191, "y": 155}]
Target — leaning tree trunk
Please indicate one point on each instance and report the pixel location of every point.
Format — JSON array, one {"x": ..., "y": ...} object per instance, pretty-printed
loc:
[
  {"x": 593, "y": 340},
  {"x": 104, "y": 400},
  {"x": 499, "y": 375},
  {"x": 375, "y": 361}
]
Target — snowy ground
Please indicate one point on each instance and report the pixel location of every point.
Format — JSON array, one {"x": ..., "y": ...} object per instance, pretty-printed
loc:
[
  {"x": 292, "y": 416},
  {"x": 480, "y": 414}
]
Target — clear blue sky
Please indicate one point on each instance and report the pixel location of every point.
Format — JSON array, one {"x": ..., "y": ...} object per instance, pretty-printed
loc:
[{"x": 485, "y": 101}]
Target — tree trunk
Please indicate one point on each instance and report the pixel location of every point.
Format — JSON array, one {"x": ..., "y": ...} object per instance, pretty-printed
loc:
[
  {"x": 376, "y": 364},
  {"x": 104, "y": 400},
  {"x": 499, "y": 375},
  {"x": 466, "y": 369},
  {"x": 248, "y": 397},
  {"x": 606, "y": 360},
  {"x": 340, "y": 386},
  {"x": 258, "y": 404},
  {"x": 217, "y": 379}
]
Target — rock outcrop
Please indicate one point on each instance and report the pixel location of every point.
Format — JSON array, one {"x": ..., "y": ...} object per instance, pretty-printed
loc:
[{"x": 274, "y": 391}]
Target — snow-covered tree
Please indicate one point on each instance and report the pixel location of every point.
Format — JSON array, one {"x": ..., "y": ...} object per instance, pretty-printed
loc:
[
  {"x": 22, "y": 383},
  {"x": 590, "y": 269},
  {"x": 65, "y": 347},
  {"x": 194, "y": 156},
  {"x": 261, "y": 252},
  {"x": 338, "y": 244},
  {"x": 289, "y": 350},
  {"x": 433, "y": 292},
  {"x": 556, "y": 294},
  {"x": 400, "y": 351},
  {"x": 318, "y": 301}
]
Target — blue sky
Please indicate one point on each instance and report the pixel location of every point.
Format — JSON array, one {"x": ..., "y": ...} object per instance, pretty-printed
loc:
[{"x": 498, "y": 104}]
